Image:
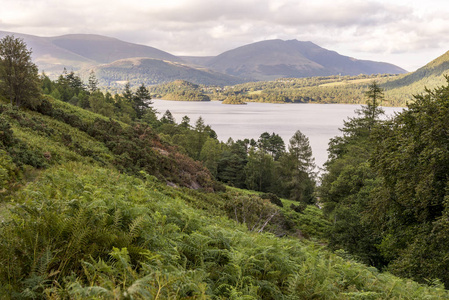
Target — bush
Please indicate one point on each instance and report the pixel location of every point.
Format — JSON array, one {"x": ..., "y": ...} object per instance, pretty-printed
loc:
[{"x": 273, "y": 199}]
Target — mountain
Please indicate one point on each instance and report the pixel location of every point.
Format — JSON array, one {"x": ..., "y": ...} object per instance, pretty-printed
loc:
[
  {"x": 153, "y": 71},
  {"x": 114, "y": 60},
  {"x": 266, "y": 60},
  {"x": 77, "y": 51},
  {"x": 272, "y": 59}
]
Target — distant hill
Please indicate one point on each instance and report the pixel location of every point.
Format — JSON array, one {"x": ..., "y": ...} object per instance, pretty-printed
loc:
[
  {"x": 116, "y": 61},
  {"x": 431, "y": 76},
  {"x": 77, "y": 51},
  {"x": 272, "y": 59},
  {"x": 153, "y": 71},
  {"x": 106, "y": 50}
]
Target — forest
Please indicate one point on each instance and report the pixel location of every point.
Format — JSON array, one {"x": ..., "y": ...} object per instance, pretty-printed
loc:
[
  {"x": 100, "y": 198},
  {"x": 322, "y": 89}
]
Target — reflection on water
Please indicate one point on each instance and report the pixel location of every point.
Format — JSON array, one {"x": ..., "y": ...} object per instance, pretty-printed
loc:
[{"x": 319, "y": 122}]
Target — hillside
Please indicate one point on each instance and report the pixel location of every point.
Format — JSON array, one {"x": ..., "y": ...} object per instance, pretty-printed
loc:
[
  {"x": 114, "y": 60},
  {"x": 179, "y": 90},
  {"x": 272, "y": 59},
  {"x": 117, "y": 60},
  {"x": 431, "y": 76},
  {"x": 77, "y": 51},
  {"x": 153, "y": 71},
  {"x": 104, "y": 49},
  {"x": 95, "y": 223}
]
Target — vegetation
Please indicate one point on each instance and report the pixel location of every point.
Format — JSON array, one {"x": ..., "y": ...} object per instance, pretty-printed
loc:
[
  {"x": 155, "y": 71},
  {"x": 89, "y": 233},
  {"x": 179, "y": 90},
  {"x": 386, "y": 187},
  {"x": 233, "y": 100},
  {"x": 96, "y": 208},
  {"x": 18, "y": 74},
  {"x": 324, "y": 89}
]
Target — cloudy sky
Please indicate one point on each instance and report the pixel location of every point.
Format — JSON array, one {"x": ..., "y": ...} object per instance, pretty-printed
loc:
[{"x": 408, "y": 33}]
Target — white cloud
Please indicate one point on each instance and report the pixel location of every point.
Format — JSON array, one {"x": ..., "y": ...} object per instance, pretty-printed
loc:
[{"x": 364, "y": 29}]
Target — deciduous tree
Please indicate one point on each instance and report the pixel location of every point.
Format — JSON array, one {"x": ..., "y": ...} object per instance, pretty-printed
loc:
[{"x": 19, "y": 79}]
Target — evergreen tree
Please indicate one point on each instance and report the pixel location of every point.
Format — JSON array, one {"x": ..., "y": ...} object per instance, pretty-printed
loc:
[
  {"x": 92, "y": 82},
  {"x": 19, "y": 79},
  {"x": 185, "y": 122},
  {"x": 127, "y": 93},
  {"x": 410, "y": 210},
  {"x": 302, "y": 168},
  {"x": 141, "y": 101},
  {"x": 168, "y": 118},
  {"x": 349, "y": 183}
]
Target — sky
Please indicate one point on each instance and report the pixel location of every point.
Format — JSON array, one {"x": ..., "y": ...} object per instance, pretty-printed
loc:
[{"x": 407, "y": 33}]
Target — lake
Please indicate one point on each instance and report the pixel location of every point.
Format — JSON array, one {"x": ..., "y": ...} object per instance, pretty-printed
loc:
[{"x": 319, "y": 122}]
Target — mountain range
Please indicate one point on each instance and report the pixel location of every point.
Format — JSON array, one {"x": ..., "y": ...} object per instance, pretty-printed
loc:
[{"x": 115, "y": 61}]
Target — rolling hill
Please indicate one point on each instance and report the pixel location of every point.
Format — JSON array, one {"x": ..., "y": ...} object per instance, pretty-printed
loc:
[
  {"x": 429, "y": 76},
  {"x": 153, "y": 71},
  {"x": 272, "y": 59},
  {"x": 77, "y": 51}
]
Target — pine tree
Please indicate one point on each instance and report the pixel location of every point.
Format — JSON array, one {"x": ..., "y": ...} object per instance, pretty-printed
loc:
[
  {"x": 141, "y": 101},
  {"x": 93, "y": 82}
]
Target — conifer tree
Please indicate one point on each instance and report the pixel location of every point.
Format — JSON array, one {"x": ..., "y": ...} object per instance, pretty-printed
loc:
[{"x": 141, "y": 101}]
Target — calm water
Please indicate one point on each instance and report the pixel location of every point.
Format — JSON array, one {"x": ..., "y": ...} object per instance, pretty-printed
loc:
[{"x": 319, "y": 122}]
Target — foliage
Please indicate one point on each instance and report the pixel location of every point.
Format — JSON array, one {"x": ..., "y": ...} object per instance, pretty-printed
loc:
[
  {"x": 18, "y": 74},
  {"x": 84, "y": 232},
  {"x": 410, "y": 207},
  {"x": 233, "y": 100},
  {"x": 349, "y": 182}
]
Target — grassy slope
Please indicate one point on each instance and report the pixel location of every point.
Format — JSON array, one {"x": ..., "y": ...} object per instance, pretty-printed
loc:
[
  {"x": 429, "y": 76},
  {"x": 169, "y": 243}
]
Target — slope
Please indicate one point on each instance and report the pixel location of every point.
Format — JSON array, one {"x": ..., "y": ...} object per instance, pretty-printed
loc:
[
  {"x": 88, "y": 231},
  {"x": 153, "y": 71},
  {"x": 49, "y": 57},
  {"x": 104, "y": 49},
  {"x": 268, "y": 60},
  {"x": 429, "y": 76}
]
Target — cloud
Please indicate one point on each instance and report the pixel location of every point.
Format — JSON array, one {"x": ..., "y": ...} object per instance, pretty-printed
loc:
[{"x": 209, "y": 27}]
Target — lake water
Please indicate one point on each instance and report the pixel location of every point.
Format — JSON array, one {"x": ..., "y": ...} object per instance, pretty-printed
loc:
[{"x": 319, "y": 122}]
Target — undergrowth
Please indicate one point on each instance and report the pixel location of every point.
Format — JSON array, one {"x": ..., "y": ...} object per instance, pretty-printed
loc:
[{"x": 86, "y": 232}]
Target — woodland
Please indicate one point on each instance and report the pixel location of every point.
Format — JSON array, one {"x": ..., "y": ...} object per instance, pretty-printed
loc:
[{"x": 102, "y": 198}]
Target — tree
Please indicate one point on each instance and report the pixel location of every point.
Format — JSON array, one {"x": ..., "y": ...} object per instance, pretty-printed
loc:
[
  {"x": 411, "y": 208},
  {"x": 92, "y": 82},
  {"x": 210, "y": 154},
  {"x": 302, "y": 168},
  {"x": 349, "y": 183},
  {"x": 185, "y": 123},
  {"x": 142, "y": 101},
  {"x": 259, "y": 170},
  {"x": 168, "y": 118},
  {"x": 127, "y": 93},
  {"x": 19, "y": 79},
  {"x": 232, "y": 163},
  {"x": 272, "y": 144}
]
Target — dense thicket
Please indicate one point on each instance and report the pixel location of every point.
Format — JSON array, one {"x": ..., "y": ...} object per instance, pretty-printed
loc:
[{"x": 386, "y": 188}]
